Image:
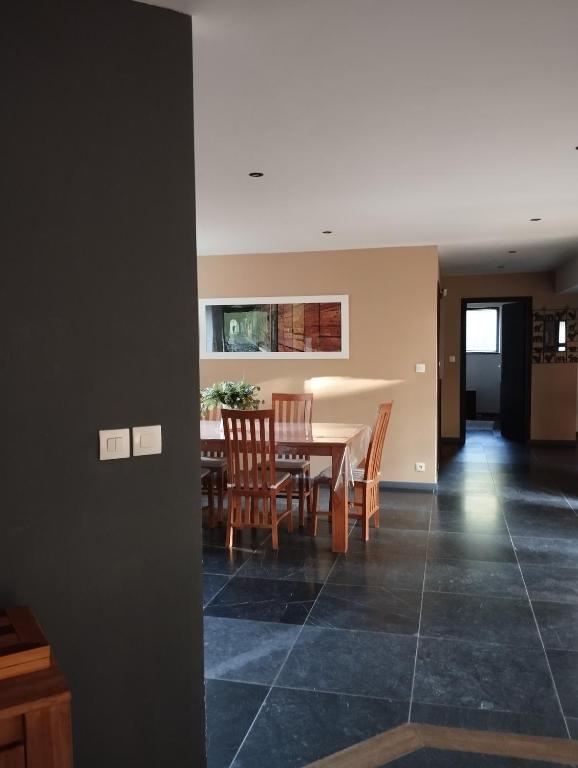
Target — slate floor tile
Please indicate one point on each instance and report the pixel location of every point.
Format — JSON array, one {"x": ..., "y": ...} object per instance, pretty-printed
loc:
[
  {"x": 212, "y": 583},
  {"x": 551, "y": 724},
  {"x": 376, "y": 609},
  {"x": 404, "y": 519},
  {"x": 564, "y": 666},
  {"x": 479, "y": 619},
  {"x": 572, "y": 727},
  {"x": 246, "y": 651},
  {"x": 230, "y": 710},
  {"x": 558, "y": 624},
  {"x": 392, "y": 571},
  {"x": 547, "y": 521},
  {"x": 289, "y": 564},
  {"x": 470, "y": 546},
  {"x": 488, "y": 677},
  {"x": 287, "y": 602},
  {"x": 409, "y": 501},
  {"x": 551, "y": 583},
  {"x": 296, "y": 727},
  {"x": 474, "y": 577},
  {"x": 382, "y": 540},
  {"x": 353, "y": 662},
  {"x": 220, "y": 560},
  {"x": 558, "y": 552},
  {"x": 470, "y": 520}
]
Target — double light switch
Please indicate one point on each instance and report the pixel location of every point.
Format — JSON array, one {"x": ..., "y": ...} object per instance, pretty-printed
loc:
[{"x": 115, "y": 443}]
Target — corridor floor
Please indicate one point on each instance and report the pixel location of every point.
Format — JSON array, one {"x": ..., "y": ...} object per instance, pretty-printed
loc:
[{"x": 461, "y": 610}]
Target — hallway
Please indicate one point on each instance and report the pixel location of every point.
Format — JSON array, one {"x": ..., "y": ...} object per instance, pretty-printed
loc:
[{"x": 461, "y": 610}]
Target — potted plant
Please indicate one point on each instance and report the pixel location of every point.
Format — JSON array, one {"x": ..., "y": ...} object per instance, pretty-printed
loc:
[{"x": 238, "y": 395}]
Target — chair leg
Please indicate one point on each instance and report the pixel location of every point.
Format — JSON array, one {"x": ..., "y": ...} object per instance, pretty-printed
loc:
[
  {"x": 220, "y": 489},
  {"x": 308, "y": 491},
  {"x": 211, "y": 501},
  {"x": 301, "y": 490},
  {"x": 376, "y": 507},
  {"x": 231, "y": 512},
  {"x": 315, "y": 497},
  {"x": 274, "y": 522},
  {"x": 290, "y": 507},
  {"x": 362, "y": 497}
]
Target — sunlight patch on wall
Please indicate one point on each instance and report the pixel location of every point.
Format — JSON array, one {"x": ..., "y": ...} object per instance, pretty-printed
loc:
[{"x": 343, "y": 386}]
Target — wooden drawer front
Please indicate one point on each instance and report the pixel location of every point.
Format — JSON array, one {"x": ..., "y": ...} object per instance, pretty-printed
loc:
[{"x": 14, "y": 757}]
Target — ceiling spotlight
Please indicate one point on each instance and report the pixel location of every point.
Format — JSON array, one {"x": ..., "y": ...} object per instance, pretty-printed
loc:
[
  {"x": 512, "y": 251},
  {"x": 535, "y": 219},
  {"x": 256, "y": 174},
  {"x": 327, "y": 232}
]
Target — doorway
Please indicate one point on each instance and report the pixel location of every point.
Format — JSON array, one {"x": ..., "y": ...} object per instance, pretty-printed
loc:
[{"x": 496, "y": 367}]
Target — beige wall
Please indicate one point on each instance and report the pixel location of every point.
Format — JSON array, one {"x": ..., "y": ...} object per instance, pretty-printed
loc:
[
  {"x": 553, "y": 385},
  {"x": 393, "y": 309}
]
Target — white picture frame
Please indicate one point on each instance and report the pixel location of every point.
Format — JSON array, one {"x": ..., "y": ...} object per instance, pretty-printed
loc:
[{"x": 205, "y": 330}]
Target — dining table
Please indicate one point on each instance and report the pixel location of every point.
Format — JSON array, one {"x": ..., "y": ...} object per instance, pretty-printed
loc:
[{"x": 345, "y": 444}]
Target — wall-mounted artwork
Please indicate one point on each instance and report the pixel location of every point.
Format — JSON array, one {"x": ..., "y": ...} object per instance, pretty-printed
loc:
[
  {"x": 555, "y": 336},
  {"x": 280, "y": 327}
]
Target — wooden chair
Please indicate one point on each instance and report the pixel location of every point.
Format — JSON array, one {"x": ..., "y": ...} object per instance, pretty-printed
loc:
[
  {"x": 295, "y": 409},
  {"x": 254, "y": 482},
  {"x": 216, "y": 463},
  {"x": 365, "y": 479}
]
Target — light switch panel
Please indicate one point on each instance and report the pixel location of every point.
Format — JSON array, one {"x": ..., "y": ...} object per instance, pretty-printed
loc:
[
  {"x": 146, "y": 440},
  {"x": 114, "y": 444},
  {"x": 420, "y": 367}
]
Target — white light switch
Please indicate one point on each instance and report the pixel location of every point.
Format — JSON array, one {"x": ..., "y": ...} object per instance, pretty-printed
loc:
[
  {"x": 146, "y": 440},
  {"x": 420, "y": 367},
  {"x": 114, "y": 444}
]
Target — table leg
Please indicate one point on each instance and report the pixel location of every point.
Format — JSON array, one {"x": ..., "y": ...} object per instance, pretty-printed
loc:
[{"x": 338, "y": 502}]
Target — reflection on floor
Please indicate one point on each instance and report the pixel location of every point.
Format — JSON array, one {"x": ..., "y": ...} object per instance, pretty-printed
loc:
[
  {"x": 461, "y": 610},
  {"x": 435, "y": 758}
]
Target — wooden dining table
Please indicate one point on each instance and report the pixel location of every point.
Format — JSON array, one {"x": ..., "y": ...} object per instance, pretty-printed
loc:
[{"x": 345, "y": 444}]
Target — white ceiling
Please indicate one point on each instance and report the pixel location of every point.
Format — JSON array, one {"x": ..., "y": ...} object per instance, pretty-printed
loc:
[{"x": 390, "y": 122}]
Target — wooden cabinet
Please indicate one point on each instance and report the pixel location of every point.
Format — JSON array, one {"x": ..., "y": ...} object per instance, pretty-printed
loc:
[{"x": 35, "y": 724}]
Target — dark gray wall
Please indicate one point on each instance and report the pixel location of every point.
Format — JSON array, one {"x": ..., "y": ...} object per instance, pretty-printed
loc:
[{"x": 98, "y": 329}]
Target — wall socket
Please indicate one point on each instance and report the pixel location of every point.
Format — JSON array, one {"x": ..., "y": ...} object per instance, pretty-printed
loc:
[{"x": 419, "y": 466}]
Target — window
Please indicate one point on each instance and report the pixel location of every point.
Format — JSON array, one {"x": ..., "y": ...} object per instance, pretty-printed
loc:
[
  {"x": 562, "y": 336},
  {"x": 482, "y": 330}
]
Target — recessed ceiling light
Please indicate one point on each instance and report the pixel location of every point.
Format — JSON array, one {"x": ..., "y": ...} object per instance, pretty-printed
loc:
[
  {"x": 535, "y": 219},
  {"x": 256, "y": 174},
  {"x": 512, "y": 251},
  {"x": 327, "y": 232}
]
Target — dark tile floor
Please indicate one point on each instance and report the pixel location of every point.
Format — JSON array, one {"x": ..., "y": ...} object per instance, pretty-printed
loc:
[{"x": 461, "y": 610}]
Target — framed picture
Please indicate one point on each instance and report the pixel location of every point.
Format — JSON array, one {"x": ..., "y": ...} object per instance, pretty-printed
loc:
[{"x": 284, "y": 327}]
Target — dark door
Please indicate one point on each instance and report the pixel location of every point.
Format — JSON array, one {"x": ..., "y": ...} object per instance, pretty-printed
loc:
[{"x": 515, "y": 372}]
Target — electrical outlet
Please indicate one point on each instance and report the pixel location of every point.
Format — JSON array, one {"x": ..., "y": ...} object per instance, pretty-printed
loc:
[{"x": 419, "y": 466}]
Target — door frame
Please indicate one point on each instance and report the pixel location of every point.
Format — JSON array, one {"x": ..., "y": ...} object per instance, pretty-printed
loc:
[{"x": 527, "y": 301}]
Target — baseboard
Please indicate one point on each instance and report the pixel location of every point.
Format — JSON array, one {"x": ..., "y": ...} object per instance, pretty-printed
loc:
[{"x": 387, "y": 485}]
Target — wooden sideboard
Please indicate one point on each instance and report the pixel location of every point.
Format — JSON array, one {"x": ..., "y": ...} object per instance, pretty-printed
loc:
[{"x": 35, "y": 723}]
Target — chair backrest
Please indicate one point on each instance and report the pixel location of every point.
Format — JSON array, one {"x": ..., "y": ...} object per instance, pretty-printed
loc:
[
  {"x": 211, "y": 414},
  {"x": 375, "y": 450},
  {"x": 293, "y": 409},
  {"x": 250, "y": 441}
]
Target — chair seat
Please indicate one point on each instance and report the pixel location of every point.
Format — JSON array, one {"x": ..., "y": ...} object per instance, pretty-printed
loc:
[
  {"x": 213, "y": 462},
  {"x": 280, "y": 479},
  {"x": 205, "y": 473},
  {"x": 292, "y": 465},
  {"x": 325, "y": 476}
]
